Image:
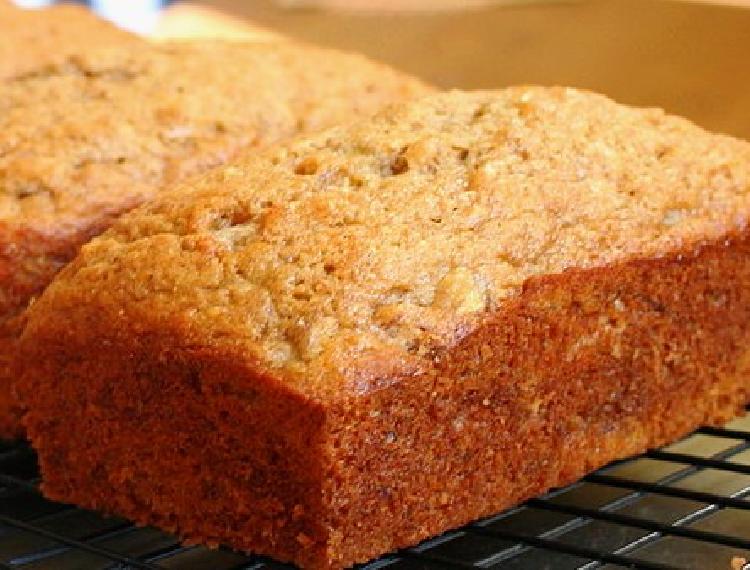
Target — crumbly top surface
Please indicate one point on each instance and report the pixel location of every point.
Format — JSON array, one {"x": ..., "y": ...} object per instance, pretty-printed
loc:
[
  {"x": 359, "y": 251},
  {"x": 104, "y": 130},
  {"x": 31, "y": 38}
]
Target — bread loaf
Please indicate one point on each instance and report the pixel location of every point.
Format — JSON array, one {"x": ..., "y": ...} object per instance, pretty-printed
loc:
[
  {"x": 371, "y": 335},
  {"x": 86, "y": 139},
  {"x": 34, "y": 38}
]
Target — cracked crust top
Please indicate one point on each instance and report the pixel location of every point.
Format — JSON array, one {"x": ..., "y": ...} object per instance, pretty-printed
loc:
[{"x": 372, "y": 245}]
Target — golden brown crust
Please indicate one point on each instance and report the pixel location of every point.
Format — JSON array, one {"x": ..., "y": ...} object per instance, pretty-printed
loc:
[
  {"x": 165, "y": 333},
  {"x": 99, "y": 132},
  {"x": 34, "y": 38}
]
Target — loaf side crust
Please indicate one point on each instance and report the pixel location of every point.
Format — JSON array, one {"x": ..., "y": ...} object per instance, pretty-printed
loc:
[
  {"x": 581, "y": 368},
  {"x": 242, "y": 447},
  {"x": 28, "y": 261}
]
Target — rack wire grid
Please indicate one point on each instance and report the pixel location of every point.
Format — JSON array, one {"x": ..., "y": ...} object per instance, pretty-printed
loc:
[{"x": 683, "y": 506}]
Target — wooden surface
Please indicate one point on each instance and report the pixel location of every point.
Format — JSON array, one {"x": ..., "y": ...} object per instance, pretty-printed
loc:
[{"x": 690, "y": 58}]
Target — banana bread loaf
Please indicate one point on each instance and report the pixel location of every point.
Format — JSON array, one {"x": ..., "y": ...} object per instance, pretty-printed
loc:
[
  {"x": 85, "y": 140},
  {"x": 33, "y": 38},
  {"x": 368, "y": 336}
]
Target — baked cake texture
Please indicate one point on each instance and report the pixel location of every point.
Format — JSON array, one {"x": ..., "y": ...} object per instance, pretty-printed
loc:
[
  {"x": 87, "y": 139},
  {"x": 33, "y": 38},
  {"x": 368, "y": 336}
]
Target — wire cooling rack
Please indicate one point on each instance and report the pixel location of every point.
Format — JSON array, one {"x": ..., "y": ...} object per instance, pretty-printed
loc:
[{"x": 684, "y": 506}]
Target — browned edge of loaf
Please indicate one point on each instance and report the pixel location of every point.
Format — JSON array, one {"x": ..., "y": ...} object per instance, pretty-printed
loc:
[
  {"x": 579, "y": 369},
  {"x": 29, "y": 259}
]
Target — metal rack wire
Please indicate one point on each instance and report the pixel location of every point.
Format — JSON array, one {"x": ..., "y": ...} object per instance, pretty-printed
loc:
[{"x": 685, "y": 506}]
